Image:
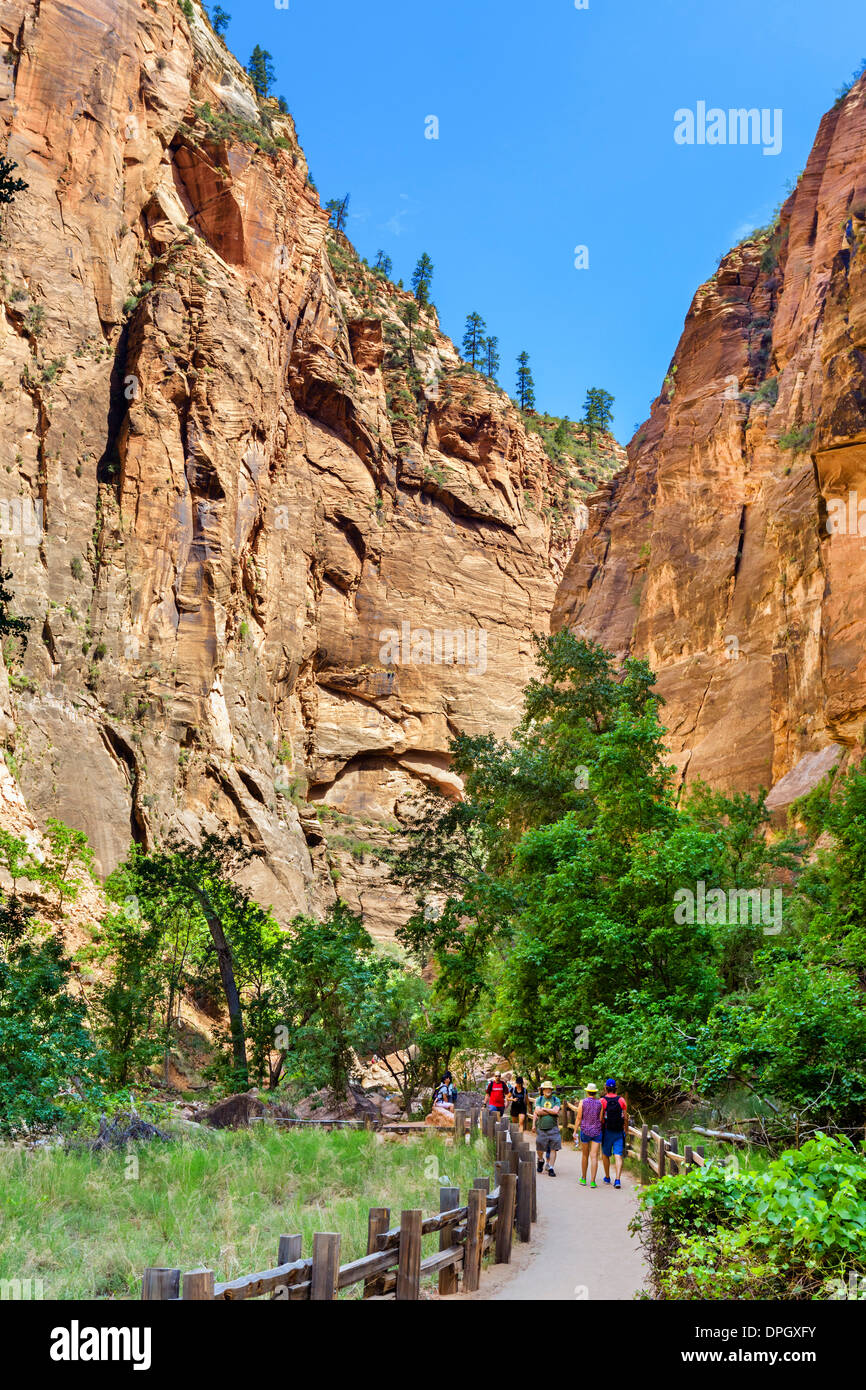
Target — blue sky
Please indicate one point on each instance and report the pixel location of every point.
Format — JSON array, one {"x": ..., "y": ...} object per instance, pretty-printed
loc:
[{"x": 556, "y": 130}]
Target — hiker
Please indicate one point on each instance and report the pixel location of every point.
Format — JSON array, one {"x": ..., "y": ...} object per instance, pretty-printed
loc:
[
  {"x": 445, "y": 1095},
  {"x": 518, "y": 1102},
  {"x": 545, "y": 1121},
  {"x": 496, "y": 1092},
  {"x": 614, "y": 1121},
  {"x": 587, "y": 1132}
]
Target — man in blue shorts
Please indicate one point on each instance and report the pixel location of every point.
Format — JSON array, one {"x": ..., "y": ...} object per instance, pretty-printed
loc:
[{"x": 614, "y": 1122}]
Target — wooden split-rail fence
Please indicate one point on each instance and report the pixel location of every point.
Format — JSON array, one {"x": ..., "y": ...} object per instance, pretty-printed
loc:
[{"x": 393, "y": 1266}]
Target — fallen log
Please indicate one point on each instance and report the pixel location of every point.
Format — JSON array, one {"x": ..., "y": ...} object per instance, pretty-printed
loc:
[{"x": 721, "y": 1134}]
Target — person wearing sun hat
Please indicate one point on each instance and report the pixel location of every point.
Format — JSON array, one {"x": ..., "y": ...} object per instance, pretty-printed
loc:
[
  {"x": 587, "y": 1132},
  {"x": 545, "y": 1122}
]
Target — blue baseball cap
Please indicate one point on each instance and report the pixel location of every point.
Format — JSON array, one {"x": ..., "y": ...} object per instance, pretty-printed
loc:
[{"x": 610, "y": 1084}]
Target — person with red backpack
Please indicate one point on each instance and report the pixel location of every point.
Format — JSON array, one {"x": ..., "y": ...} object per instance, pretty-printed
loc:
[
  {"x": 614, "y": 1121},
  {"x": 497, "y": 1091}
]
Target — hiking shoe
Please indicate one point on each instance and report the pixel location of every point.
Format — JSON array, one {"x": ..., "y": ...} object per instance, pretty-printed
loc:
[
  {"x": 617, "y": 1183},
  {"x": 607, "y": 1180},
  {"x": 582, "y": 1182},
  {"x": 551, "y": 1172},
  {"x": 541, "y": 1165}
]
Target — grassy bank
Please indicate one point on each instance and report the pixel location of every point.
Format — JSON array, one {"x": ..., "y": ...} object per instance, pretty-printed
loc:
[{"x": 88, "y": 1224}]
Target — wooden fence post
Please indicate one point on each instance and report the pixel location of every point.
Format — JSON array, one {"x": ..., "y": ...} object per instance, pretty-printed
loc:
[
  {"x": 689, "y": 1158},
  {"x": 498, "y": 1170},
  {"x": 673, "y": 1144},
  {"x": 644, "y": 1143},
  {"x": 160, "y": 1284},
  {"x": 474, "y": 1239},
  {"x": 290, "y": 1249},
  {"x": 699, "y": 1149},
  {"x": 505, "y": 1218},
  {"x": 473, "y": 1123},
  {"x": 459, "y": 1126},
  {"x": 533, "y": 1176},
  {"x": 660, "y": 1145},
  {"x": 524, "y": 1200},
  {"x": 501, "y": 1141},
  {"x": 449, "y": 1198},
  {"x": 409, "y": 1261},
  {"x": 198, "y": 1285},
  {"x": 483, "y": 1183},
  {"x": 326, "y": 1265},
  {"x": 378, "y": 1220}
]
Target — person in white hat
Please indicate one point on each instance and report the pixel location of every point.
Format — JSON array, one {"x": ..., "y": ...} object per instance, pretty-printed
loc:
[{"x": 587, "y": 1132}]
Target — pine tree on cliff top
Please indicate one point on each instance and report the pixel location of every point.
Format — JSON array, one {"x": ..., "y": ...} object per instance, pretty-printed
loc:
[
  {"x": 491, "y": 357},
  {"x": 597, "y": 411},
  {"x": 473, "y": 338},
  {"x": 338, "y": 212},
  {"x": 261, "y": 71},
  {"x": 220, "y": 20},
  {"x": 422, "y": 277},
  {"x": 525, "y": 383}
]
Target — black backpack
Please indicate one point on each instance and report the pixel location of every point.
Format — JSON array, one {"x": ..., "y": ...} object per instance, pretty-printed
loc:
[{"x": 613, "y": 1118}]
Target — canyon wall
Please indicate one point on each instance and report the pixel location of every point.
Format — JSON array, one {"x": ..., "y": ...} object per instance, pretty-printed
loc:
[
  {"x": 728, "y": 552},
  {"x": 248, "y": 518}
]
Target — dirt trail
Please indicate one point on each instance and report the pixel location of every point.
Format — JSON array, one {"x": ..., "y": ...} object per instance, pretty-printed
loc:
[{"x": 581, "y": 1246}]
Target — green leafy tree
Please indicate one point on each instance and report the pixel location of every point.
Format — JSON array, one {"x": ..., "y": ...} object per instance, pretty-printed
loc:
[
  {"x": 126, "y": 1005},
  {"x": 383, "y": 264},
  {"x": 44, "y": 1042},
  {"x": 525, "y": 383},
  {"x": 68, "y": 849},
  {"x": 308, "y": 995},
  {"x": 11, "y": 626},
  {"x": 9, "y": 186},
  {"x": 422, "y": 278},
  {"x": 261, "y": 71},
  {"x": 18, "y": 860},
  {"x": 202, "y": 880},
  {"x": 474, "y": 339}
]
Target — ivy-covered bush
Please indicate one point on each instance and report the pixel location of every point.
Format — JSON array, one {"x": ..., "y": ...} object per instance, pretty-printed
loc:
[{"x": 796, "y": 1230}]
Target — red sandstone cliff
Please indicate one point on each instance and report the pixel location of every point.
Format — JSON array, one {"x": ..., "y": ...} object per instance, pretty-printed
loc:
[
  {"x": 710, "y": 554},
  {"x": 247, "y": 478}
]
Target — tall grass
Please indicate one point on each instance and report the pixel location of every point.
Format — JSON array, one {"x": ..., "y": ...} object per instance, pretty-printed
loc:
[{"x": 88, "y": 1224}]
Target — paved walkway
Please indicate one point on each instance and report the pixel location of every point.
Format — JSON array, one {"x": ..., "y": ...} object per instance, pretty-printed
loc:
[{"x": 581, "y": 1247}]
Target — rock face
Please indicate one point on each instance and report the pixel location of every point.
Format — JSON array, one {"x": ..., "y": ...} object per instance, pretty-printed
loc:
[
  {"x": 728, "y": 552},
  {"x": 274, "y": 552}
]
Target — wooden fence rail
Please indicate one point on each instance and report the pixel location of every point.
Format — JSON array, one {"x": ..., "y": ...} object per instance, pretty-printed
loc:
[{"x": 393, "y": 1266}]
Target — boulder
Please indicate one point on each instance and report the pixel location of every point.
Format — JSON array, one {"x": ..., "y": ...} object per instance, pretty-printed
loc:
[{"x": 234, "y": 1112}]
